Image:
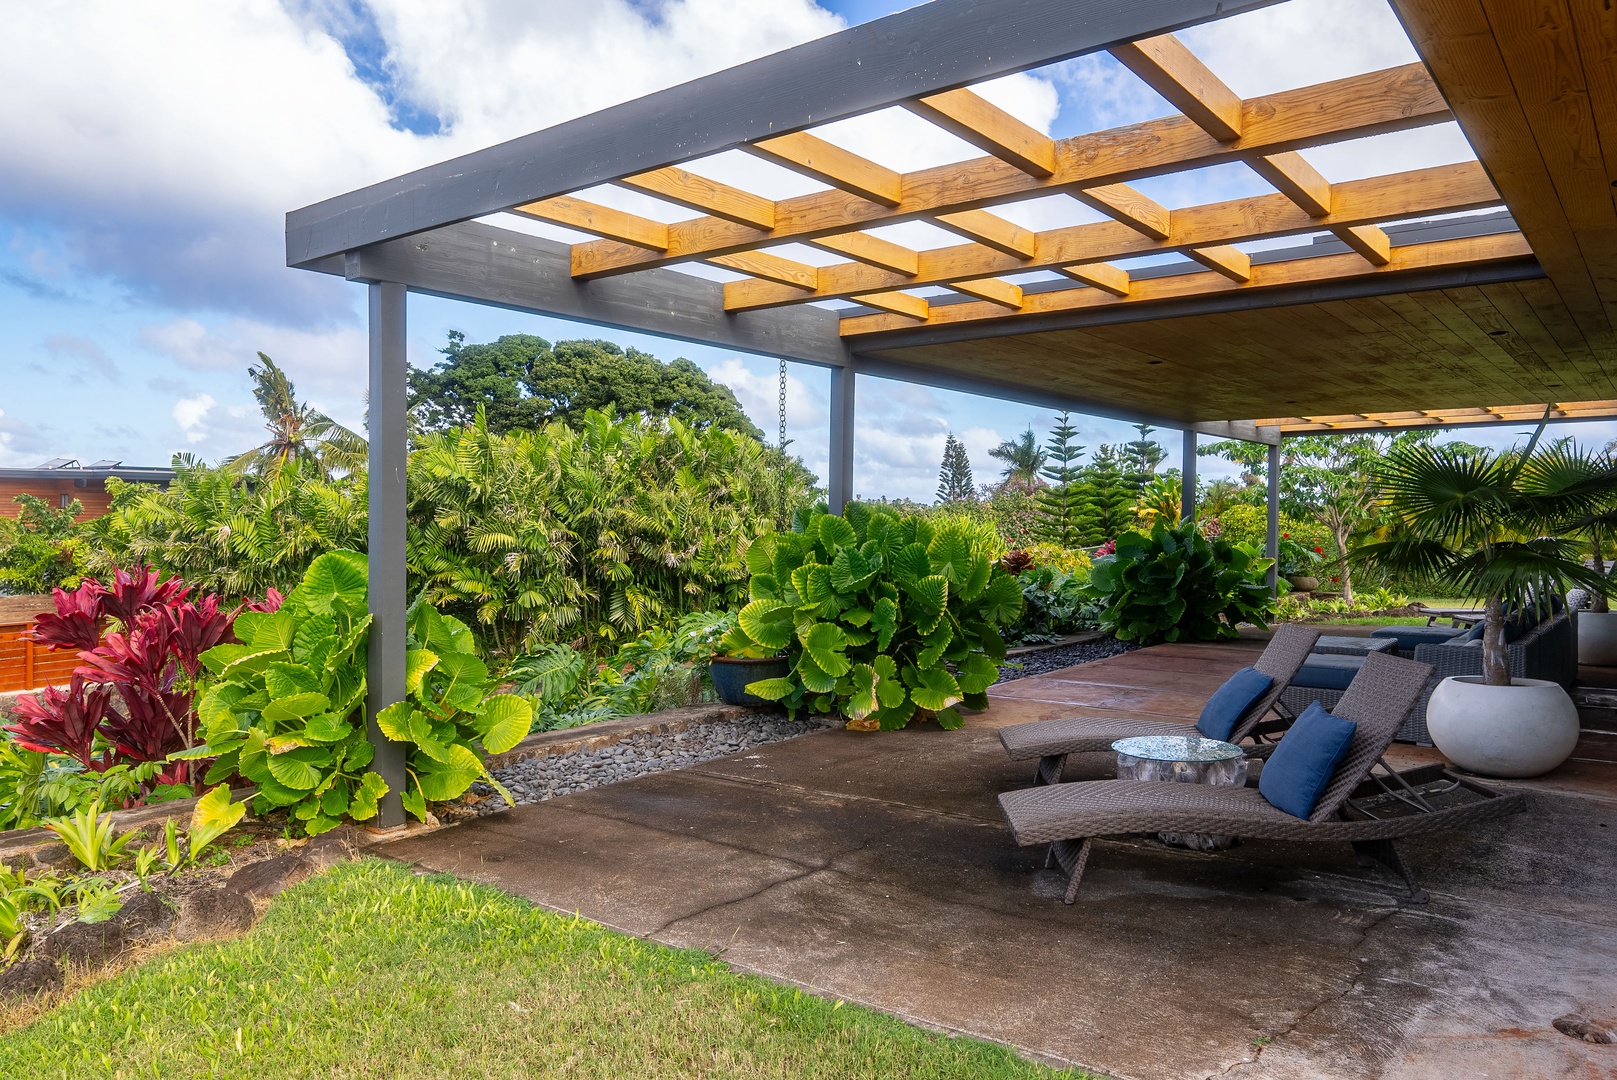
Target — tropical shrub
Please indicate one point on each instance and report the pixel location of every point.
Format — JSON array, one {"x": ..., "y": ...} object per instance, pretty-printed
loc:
[
  {"x": 592, "y": 535},
  {"x": 133, "y": 698},
  {"x": 1054, "y": 604},
  {"x": 660, "y": 669},
  {"x": 885, "y": 619},
  {"x": 1177, "y": 585},
  {"x": 41, "y": 549},
  {"x": 227, "y": 534},
  {"x": 1298, "y": 559},
  {"x": 286, "y": 706}
]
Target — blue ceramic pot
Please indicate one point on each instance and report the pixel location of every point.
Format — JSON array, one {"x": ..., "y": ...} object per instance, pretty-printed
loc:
[{"x": 731, "y": 676}]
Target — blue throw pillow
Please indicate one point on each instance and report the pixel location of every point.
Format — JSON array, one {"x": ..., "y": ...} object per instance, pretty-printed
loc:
[
  {"x": 1304, "y": 761},
  {"x": 1231, "y": 701}
]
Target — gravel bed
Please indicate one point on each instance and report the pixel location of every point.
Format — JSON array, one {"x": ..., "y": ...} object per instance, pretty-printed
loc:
[
  {"x": 538, "y": 779},
  {"x": 1055, "y": 659}
]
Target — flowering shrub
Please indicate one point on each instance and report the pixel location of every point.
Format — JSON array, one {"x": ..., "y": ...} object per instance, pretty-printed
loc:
[
  {"x": 1295, "y": 558},
  {"x": 1073, "y": 562}
]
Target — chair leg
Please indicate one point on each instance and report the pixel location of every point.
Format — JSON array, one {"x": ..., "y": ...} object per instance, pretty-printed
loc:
[
  {"x": 1386, "y": 853},
  {"x": 1072, "y": 856},
  {"x": 1050, "y": 768}
]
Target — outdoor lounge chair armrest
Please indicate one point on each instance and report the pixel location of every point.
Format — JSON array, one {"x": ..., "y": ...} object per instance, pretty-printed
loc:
[{"x": 1260, "y": 752}]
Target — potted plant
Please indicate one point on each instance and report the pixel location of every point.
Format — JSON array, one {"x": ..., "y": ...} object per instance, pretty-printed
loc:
[
  {"x": 742, "y": 663},
  {"x": 1472, "y": 521},
  {"x": 1298, "y": 563}
]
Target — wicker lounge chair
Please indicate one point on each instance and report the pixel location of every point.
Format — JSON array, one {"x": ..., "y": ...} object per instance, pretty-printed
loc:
[
  {"x": 1051, "y": 741},
  {"x": 1355, "y": 806}
]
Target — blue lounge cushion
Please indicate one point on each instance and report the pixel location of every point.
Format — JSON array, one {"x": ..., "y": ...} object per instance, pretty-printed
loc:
[
  {"x": 1328, "y": 671},
  {"x": 1231, "y": 701},
  {"x": 1478, "y": 628},
  {"x": 1304, "y": 760},
  {"x": 1409, "y": 638}
]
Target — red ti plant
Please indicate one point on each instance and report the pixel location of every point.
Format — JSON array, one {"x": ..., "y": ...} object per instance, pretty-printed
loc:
[{"x": 150, "y": 662}]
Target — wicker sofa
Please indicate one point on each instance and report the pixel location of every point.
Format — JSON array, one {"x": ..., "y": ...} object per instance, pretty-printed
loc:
[{"x": 1547, "y": 651}]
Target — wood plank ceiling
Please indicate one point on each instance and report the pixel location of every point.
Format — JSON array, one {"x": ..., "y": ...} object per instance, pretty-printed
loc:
[{"x": 1533, "y": 83}]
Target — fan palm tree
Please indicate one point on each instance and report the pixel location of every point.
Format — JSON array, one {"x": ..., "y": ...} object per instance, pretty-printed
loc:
[
  {"x": 298, "y": 432},
  {"x": 1023, "y": 459},
  {"x": 1475, "y": 521}
]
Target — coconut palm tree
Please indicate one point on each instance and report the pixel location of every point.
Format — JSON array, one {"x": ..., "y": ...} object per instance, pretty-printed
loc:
[
  {"x": 1023, "y": 459},
  {"x": 1474, "y": 521},
  {"x": 298, "y": 432}
]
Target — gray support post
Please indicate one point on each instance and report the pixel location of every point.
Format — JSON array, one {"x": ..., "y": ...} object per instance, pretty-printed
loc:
[
  {"x": 1187, "y": 469},
  {"x": 839, "y": 484},
  {"x": 384, "y": 658},
  {"x": 1271, "y": 547}
]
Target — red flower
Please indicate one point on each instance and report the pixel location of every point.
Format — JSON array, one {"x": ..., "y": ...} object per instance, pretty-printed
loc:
[
  {"x": 1285, "y": 536},
  {"x": 1318, "y": 550}
]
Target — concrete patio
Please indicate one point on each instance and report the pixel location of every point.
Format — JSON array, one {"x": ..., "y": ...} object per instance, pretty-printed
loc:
[{"x": 876, "y": 868}]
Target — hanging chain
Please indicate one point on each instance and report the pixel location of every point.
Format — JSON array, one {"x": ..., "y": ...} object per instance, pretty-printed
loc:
[{"x": 782, "y": 443}]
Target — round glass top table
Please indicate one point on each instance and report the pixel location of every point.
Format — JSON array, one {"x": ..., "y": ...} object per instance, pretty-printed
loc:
[{"x": 1184, "y": 759}]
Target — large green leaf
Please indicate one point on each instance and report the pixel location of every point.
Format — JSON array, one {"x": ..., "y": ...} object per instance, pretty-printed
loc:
[
  {"x": 761, "y": 555},
  {"x": 815, "y": 679},
  {"x": 417, "y": 662},
  {"x": 212, "y": 817},
  {"x": 932, "y": 688},
  {"x": 362, "y": 803},
  {"x": 296, "y": 707},
  {"x": 282, "y": 679},
  {"x": 299, "y": 768},
  {"x": 327, "y": 728},
  {"x": 768, "y": 622},
  {"x": 824, "y": 642},
  {"x": 850, "y": 571},
  {"x": 771, "y": 689},
  {"x": 890, "y": 692},
  {"x": 836, "y": 533},
  {"x": 884, "y": 615},
  {"x": 334, "y": 584},
  {"x": 934, "y": 644},
  {"x": 394, "y": 721},
  {"x": 976, "y": 674},
  {"x": 504, "y": 722},
  {"x": 861, "y": 699},
  {"x": 911, "y": 563},
  {"x": 459, "y": 680},
  {"x": 444, "y": 780},
  {"x": 264, "y": 629},
  {"x": 950, "y": 554},
  {"x": 1002, "y": 600},
  {"x": 928, "y": 594}
]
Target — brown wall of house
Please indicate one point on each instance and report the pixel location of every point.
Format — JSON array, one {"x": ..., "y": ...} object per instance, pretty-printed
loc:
[{"x": 93, "y": 495}]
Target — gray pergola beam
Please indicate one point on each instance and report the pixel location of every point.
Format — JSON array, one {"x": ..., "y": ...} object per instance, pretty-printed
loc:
[
  {"x": 839, "y": 479},
  {"x": 1187, "y": 476},
  {"x": 509, "y": 269},
  {"x": 385, "y": 647},
  {"x": 927, "y": 49},
  {"x": 1271, "y": 547}
]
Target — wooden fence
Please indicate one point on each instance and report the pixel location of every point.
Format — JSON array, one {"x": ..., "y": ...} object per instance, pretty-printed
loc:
[{"x": 27, "y": 666}]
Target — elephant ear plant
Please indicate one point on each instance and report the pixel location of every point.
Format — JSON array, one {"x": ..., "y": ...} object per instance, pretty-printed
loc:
[
  {"x": 1473, "y": 522},
  {"x": 286, "y": 707},
  {"x": 1178, "y": 585},
  {"x": 883, "y": 618}
]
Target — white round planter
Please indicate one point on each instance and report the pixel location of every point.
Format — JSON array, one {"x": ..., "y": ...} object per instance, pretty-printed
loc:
[
  {"x": 1524, "y": 729},
  {"x": 1597, "y": 638}
]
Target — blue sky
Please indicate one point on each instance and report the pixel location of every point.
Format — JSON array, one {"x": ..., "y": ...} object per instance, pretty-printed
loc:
[{"x": 153, "y": 149}]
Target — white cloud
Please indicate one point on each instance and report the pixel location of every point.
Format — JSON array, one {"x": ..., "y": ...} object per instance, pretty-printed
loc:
[
  {"x": 191, "y": 416},
  {"x": 328, "y": 367}
]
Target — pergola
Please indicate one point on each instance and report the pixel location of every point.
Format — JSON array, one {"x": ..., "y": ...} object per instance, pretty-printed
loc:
[{"x": 1481, "y": 292}]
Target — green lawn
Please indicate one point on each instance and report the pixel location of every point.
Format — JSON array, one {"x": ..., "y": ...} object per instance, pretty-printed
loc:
[{"x": 372, "y": 971}]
